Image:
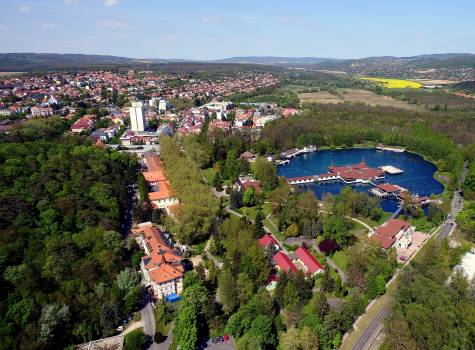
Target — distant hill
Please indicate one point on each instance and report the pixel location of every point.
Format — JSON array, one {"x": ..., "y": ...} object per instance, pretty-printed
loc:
[
  {"x": 51, "y": 61},
  {"x": 273, "y": 60},
  {"x": 449, "y": 60}
]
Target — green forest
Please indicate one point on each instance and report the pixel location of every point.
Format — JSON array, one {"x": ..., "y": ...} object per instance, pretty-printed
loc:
[{"x": 64, "y": 269}]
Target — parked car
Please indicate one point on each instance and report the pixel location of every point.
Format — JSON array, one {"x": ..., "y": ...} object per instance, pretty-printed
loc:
[{"x": 226, "y": 337}]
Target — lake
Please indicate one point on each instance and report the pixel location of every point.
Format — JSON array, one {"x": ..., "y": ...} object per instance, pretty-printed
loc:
[{"x": 418, "y": 176}]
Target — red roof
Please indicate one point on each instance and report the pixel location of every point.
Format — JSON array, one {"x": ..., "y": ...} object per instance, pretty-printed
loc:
[
  {"x": 390, "y": 188},
  {"x": 385, "y": 234},
  {"x": 356, "y": 171},
  {"x": 267, "y": 239},
  {"x": 384, "y": 241},
  {"x": 309, "y": 260},
  {"x": 392, "y": 227},
  {"x": 252, "y": 183},
  {"x": 284, "y": 263}
]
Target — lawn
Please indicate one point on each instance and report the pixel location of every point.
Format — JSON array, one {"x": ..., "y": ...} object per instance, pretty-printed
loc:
[
  {"x": 341, "y": 259},
  {"x": 374, "y": 223},
  {"x": 395, "y": 83}
]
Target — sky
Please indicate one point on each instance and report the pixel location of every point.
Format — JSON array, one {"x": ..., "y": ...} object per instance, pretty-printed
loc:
[{"x": 213, "y": 29}]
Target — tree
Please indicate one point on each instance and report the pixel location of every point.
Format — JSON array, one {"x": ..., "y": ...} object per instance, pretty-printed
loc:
[
  {"x": 236, "y": 199},
  {"x": 245, "y": 288},
  {"x": 322, "y": 305},
  {"x": 337, "y": 228},
  {"x": 231, "y": 168},
  {"x": 135, "y": 340},
  {"x": 142, "y": 187},
  {"x": 290, "y": 340},
  {"x": 227, "y": 291},
  {"x": 308, "y": 339},
  {"x": 127, "y": 279},
  {"x": 217, "y": 182},
  {"x": 292, "y": 231},
  {"x": 266, "y": 173},
  {"x": 249, "y": 197},
  {"x": 258, "y": 227},
  {"x": 262, "y": 328},
  {"x": 53, "y": 316},
  {"x": 186, "y": 328}
]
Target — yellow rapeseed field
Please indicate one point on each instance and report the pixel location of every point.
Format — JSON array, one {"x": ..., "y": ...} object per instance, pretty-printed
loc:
[{"x": 395, "y": 83}]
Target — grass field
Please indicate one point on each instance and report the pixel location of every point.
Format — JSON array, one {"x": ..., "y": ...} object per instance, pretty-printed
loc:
[
  {"x": 341, "y": 259},
  {"x": 354, "y": 96},
  {"x": 395, "y": 83}
]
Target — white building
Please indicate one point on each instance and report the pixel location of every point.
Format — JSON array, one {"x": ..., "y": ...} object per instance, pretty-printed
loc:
[
  {"x": 138, "y": 122},
  {"x": 163, "y": 105}
]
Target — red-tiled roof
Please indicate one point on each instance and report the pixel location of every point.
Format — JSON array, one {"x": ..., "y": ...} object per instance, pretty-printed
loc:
[
  {"x": 267, "y": 239},
  {"x": 284, "y": 263},
  {"x": 391, "y": 227},
  {"x": 309, "y": 260},
  {"x": 390, "y": 188}
]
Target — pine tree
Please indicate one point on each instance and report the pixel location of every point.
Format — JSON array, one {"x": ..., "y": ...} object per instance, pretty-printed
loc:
[
  {"x": 236, "y": 199},
  {"x": 258, "y": 226},
  {"x": 217, "y": 182}
]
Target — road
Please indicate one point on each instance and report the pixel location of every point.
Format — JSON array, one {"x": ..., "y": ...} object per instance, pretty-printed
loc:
[
  {"x": 446, "y": 228},
  {"x": 148, "y": 320},
  {"x": 372, "y": 330},
  {"x": 450, "y": 224}
]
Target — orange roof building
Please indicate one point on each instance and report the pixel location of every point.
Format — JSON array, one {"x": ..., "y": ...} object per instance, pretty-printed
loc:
[
  {"x": 161, "y": 194},
  {"x": 162, "y": 265}
]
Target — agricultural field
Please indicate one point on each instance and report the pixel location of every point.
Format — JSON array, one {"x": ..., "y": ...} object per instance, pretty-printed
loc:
[
  {"x": 354, "y": 96},
  {"x": 395, "y": 83}
]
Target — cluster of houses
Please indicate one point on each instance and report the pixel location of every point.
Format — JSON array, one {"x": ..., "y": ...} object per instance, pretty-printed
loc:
[
  {"x": 302, "y": 259},
  {"x": 49, "y": 94}
]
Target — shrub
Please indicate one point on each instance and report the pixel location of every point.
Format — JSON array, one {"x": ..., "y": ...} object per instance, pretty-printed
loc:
[{"x": 328, "y": 246}]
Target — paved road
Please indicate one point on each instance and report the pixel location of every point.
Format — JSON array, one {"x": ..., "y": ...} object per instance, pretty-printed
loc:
[
  {"x": 449, "y": 223},
  {"x": 373, "y": 329},
  {"x": 148, "y": 320}
]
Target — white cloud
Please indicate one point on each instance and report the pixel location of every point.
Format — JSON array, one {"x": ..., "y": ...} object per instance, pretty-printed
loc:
[
  {"x": 111, "y": 2},
  {"x": 48, "y": 25},
  {"x": 71, "y": 2},
  {"x": 24, "y": 8},
  {"x": 116, "y": 24}
]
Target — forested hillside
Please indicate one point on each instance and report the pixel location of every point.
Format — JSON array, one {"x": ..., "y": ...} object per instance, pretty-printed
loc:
[{"x": 61, "y": 203}]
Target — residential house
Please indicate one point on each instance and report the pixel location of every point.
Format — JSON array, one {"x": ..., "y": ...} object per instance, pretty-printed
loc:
[
  {"x": 308, "y": 260},
  {"x": 161, "y": 194},
  {"x": 394, "y": 233},
  {"x": 283, "y": 263},
  {"x": 85, "y": 123},
  {"x": 267, "y": 240},
  {"x": 38, "y": 111}
]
